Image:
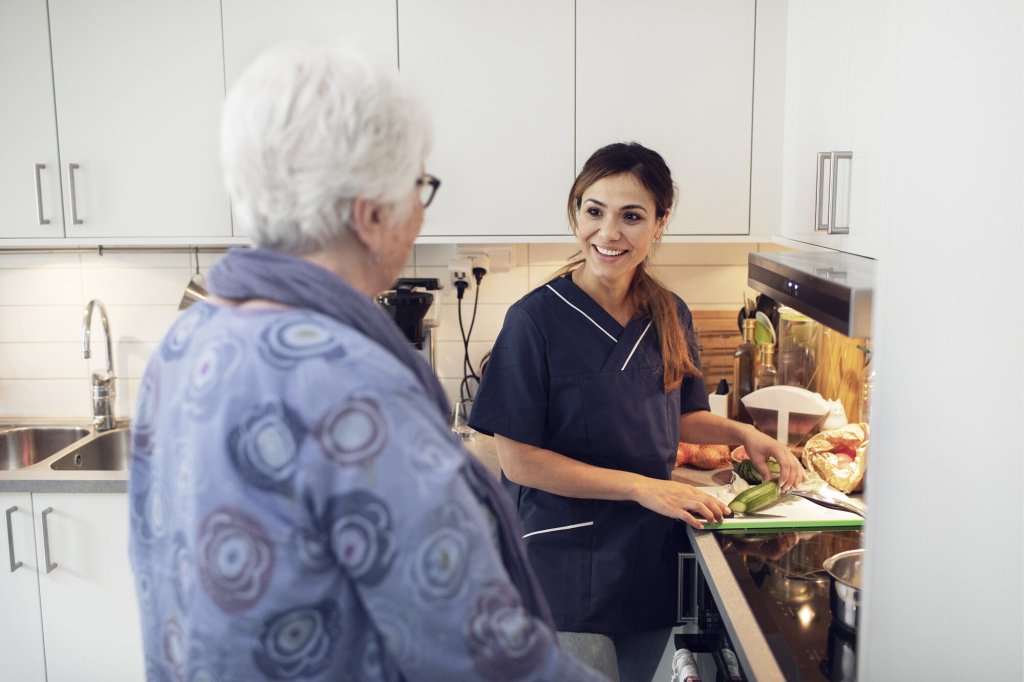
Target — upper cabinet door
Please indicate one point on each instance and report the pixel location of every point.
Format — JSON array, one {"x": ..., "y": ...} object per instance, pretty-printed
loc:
[
  {"x": 139, "y": 87},
  {"x": 30, "y": 198},
  {"x": 252, "y": 26},
  {"x": 836, "y": 80},
  {"x": 497, "y": 78},
  {"x": 676, "y": 76}
]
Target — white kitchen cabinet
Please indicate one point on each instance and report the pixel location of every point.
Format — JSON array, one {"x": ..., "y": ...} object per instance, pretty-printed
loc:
[
  {"x": 139, "y": 88},
  {"x": 21, "y": 630},
  {"x": 89, "y": 609},
  {"x": 835, "y": 92},
  {"x": 73, "y": 589},
  {"x": 30, "y": 196},
  {"x": 676, "y": 76},
  {"x": 252, "y": 26},
  {"x": 497, "y": 79}
]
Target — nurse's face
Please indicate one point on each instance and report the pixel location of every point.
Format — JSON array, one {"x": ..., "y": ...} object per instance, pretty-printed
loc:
[{"x": 617, "y": 225}]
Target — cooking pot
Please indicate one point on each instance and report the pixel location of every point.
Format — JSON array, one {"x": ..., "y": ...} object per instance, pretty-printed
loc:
[{"x": 844, "y": 593}]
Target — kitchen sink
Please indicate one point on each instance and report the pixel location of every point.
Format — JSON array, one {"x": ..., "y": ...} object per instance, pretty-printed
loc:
[
  {"x": 104, "y": 451},
  {"x": 22, "y": 446}
]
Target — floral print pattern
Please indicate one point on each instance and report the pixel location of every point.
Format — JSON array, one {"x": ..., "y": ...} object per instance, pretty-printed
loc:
[
  {"x": 504, "y": 641},
  {"x": 235, "y": 559},
  {"x": 177, "y": 341},
  {"x": 296, "y": 338},
  {"x": 354, "y": 432},
  {"x": 214, "y": 365},
  {"x": 361, "y": 536},
  {"x": 440, "y": 560},
  {"x": 298, "y": 642},
  {"x": 264, "y": 447}
]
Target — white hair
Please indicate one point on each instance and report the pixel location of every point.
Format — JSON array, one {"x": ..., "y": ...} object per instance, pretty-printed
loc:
[{"x": 305, "y": 131}]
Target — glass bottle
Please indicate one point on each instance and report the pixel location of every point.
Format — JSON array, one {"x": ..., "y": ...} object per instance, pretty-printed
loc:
[
  {"x": 744, "y": 361},
  {"x": 766, "y": 375}
]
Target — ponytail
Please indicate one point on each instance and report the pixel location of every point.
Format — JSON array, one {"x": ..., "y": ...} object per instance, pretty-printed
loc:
[{"x": 652, "y": 299}]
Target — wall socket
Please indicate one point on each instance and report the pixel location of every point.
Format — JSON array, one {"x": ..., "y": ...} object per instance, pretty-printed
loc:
[{"x": 492, "y": 259}]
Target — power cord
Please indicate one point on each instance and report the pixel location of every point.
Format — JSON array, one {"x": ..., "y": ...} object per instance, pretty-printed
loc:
[{"x": 468, "y": 372}]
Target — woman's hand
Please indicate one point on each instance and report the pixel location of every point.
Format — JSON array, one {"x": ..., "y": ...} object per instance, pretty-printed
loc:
[
  {"x": 760, "y": 447},
  {"x": 680, "y": 501}
]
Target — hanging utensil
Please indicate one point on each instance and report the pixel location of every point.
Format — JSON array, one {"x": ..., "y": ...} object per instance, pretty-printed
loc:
[{"x": 195, "y": 290}]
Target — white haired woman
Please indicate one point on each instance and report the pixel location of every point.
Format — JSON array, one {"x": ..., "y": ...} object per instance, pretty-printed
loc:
[{"x": 299, "y": 507}]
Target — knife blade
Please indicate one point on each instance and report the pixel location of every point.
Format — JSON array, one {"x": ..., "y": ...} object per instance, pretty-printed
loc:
[{"x": 830, "y": 503}]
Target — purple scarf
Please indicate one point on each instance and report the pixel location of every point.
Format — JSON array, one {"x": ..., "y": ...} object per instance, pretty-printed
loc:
[{"x": 293, "y": 281}]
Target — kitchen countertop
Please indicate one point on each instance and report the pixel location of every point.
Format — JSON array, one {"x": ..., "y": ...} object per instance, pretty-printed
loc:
[{"x": 740, "y": 618}]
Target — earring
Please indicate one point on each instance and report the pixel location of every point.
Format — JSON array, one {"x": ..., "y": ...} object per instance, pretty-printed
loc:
[{"x": 375, "y": 259}]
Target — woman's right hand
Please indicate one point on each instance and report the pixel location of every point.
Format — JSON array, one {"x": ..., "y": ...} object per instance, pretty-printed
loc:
[{"x": 680, "y": 501}]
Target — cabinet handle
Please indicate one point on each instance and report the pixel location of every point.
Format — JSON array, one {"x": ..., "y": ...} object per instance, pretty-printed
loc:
[
  {"x": 15, "y": 565},
  {"x": 72, "y": 167},
  {"x": 833, "y": 227},
  {"x": 39, "y": 196},
  {"x": 46, "y": 541},
  {"x": 819, "y": 195}
]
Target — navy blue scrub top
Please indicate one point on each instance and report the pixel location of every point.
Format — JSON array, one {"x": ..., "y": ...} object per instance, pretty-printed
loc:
[{"x": 565, "y": 376}]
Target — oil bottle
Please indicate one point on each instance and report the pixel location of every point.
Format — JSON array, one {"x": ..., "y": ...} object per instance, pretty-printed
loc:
[{"x": 744, "y": 364}]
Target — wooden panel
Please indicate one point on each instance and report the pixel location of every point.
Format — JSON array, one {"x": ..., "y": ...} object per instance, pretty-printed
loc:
[{"x": 718, "y": 336}]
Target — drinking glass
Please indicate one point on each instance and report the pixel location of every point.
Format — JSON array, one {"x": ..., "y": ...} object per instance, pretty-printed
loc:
[{"x": 460, "y": 419}]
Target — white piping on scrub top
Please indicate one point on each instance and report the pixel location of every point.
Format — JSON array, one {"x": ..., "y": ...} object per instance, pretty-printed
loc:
[
  {"x": 555, "y": 530},
  {"x": 630, "y": 357},
  {"x": 583, "y": 314}
]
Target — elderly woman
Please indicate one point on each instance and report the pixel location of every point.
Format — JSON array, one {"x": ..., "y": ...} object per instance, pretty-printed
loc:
[{"x": 299, "y": 507}]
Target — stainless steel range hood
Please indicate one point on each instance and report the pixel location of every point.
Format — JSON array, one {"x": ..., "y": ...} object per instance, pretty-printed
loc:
[{"x": 831, "y": 287}]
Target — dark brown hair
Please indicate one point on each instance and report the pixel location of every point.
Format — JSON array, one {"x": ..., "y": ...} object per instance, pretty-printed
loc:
[{"x": 649, "y": 297}]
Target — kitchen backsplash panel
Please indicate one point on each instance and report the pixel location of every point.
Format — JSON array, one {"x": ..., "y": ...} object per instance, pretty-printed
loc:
[{"x": 43, "y": 295}]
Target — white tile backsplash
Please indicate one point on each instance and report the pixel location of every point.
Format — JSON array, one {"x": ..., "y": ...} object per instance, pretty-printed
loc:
[{"x": 42, "y": 295}]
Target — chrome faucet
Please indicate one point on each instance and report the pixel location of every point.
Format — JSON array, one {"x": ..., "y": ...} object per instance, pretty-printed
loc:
[{"x": 102, "y": 385}]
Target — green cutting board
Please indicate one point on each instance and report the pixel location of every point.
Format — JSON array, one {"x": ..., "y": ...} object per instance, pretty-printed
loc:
[{"x": 792, "y": 512}]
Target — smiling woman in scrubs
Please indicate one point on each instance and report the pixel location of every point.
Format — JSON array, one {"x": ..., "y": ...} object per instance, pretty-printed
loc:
[{"x": 591, "y": 384}]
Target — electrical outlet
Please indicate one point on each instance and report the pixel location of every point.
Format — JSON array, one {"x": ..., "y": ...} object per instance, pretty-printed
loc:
[
  {"x": 502, "y": 258},
  {"x": 460, "y": 267}
]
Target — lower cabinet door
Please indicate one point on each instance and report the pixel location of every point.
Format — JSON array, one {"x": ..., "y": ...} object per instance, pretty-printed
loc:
[
  {"x": 21, "y": 630},
  {"x": 87, "y": 594}
]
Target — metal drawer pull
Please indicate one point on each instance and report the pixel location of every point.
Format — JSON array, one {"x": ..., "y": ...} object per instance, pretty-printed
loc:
[
  {"x": 819, "y": 195},
  {"x": 46, "y": 542},
  {"x": 39, "y": 196},
  {"x": 15, "y": 565},
  {"x": 833, "y": 226},
  {"x": 72, "y": 167}
]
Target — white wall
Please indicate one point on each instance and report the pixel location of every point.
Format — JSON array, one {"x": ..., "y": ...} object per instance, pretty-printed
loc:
[{"x": 42, "y": 297}]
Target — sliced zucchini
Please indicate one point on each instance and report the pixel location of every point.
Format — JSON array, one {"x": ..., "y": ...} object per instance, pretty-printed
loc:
[{"x": 755, "y": 497}]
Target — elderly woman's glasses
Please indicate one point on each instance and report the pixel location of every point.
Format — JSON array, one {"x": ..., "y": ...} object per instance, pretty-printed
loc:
[{"x": 427, "y": 185}]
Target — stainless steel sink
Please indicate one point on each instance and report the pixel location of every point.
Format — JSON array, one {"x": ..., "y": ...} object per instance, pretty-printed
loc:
[
  {"x": 105, "y": 451},
  {"x": 22, "y": 446}
]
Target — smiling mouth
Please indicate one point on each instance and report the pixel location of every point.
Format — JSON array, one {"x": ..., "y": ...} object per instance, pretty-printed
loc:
[{"x": 608, "y": 252}]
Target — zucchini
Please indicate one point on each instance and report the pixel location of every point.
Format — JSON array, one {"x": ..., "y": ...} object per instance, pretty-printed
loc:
[
  {"x": 746, "y": 470},
  {"x": 755, "y": 497}
]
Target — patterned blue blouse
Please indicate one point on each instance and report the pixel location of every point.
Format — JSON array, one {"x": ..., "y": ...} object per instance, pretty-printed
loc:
[{"x": 298, "y": 512}]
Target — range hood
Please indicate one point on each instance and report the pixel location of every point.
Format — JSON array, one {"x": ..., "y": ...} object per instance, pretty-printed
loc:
[{"x": 831, "y": 287}]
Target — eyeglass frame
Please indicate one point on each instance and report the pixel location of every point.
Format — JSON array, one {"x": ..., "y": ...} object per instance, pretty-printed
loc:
[{"x": 432, "y": 182}]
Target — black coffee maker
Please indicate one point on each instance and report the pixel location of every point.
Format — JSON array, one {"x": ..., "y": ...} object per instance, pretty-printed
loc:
[{"x": 408, "y": 307}]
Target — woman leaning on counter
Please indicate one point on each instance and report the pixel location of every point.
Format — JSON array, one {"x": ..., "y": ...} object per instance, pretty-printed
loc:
[{"x": 591, "y": 384}]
